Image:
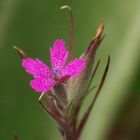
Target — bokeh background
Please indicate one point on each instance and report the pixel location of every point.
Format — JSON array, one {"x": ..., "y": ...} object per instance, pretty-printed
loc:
[{"x": 34, "y": 25}]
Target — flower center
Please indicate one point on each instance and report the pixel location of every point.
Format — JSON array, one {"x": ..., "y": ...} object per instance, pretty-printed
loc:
[{"x": 56, "y": 73}]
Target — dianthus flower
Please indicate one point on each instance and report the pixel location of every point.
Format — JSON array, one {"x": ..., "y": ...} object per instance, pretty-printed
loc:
[{"x": 46, "y": 78}]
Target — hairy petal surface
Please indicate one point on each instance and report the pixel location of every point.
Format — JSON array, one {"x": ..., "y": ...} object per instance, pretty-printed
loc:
[
  {"x": 58, "y": 54},
  {"x": 73, "y": 68},
  {"x": 37, "y": 68},
  {"x": 42, "y": 84}
]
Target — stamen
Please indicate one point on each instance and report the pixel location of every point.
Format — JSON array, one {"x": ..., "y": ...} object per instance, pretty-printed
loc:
[{"x": 54, "y": 70}]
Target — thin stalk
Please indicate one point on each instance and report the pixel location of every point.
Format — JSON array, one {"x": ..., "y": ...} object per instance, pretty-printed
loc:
[{"x": 71, "y": 30}]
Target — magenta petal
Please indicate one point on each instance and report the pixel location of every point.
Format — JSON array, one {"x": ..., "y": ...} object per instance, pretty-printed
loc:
[
  {"x": 73, "y": 68},
  {"x": 58, "y": 54},
  {"x": 42, "y": 84},
  {"x": 37, "y": 68}
]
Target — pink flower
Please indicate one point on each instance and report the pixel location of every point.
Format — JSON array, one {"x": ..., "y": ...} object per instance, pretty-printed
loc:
[{"x": 44, "y": 77}]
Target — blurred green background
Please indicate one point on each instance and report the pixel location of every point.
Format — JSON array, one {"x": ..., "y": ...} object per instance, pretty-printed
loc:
[{"x": 34, "y": 25}]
